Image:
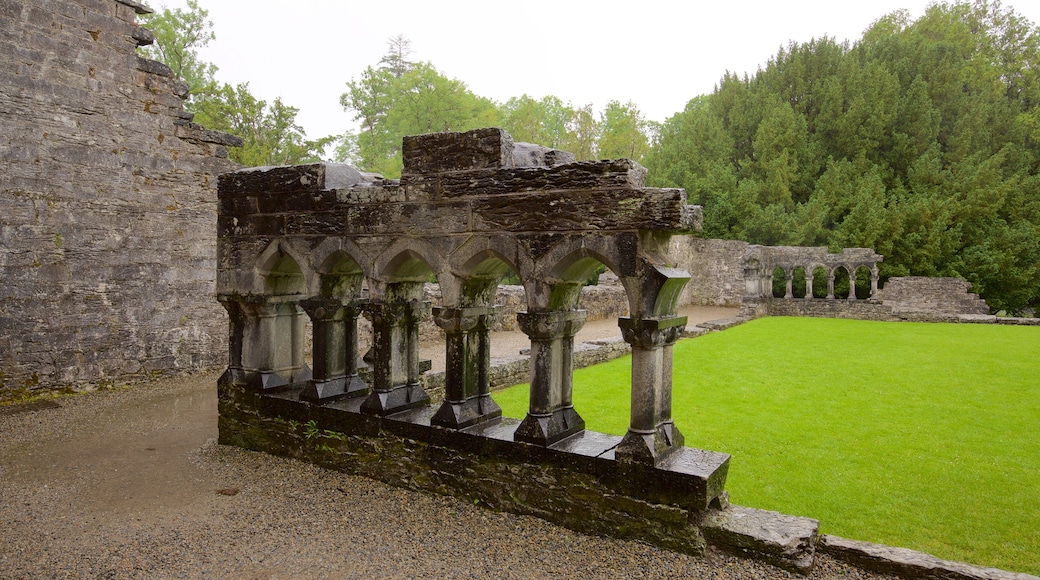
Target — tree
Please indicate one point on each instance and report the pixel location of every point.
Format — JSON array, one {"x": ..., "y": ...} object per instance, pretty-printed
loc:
[
  {"x": 271, "y": 134},
  {"x": 403, "y": 98},
  {"x": 921, "y": 140},
  {"x": 178, "y": 35},
  {"x": 623, "y": 132}
]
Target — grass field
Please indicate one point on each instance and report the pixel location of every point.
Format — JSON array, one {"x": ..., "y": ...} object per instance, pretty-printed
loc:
[{"x": 924, "y": 436}]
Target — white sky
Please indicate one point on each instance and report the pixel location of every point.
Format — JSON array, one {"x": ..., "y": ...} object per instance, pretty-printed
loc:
[{"x": 658, "y": 54}]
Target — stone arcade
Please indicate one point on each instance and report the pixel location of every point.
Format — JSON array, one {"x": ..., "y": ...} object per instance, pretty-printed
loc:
[{"x": 328, "y": 243}]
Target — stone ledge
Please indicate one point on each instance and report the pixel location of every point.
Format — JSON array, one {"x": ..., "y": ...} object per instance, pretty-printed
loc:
[
  {"x": 909, "y": 563},
  {"x": 785, "y": 541},
  {"x": 576, "y": 482},
  {"x": 722, "y": 323}
]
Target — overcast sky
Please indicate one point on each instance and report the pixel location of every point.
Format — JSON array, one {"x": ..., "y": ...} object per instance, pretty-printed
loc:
[{"x": 658, "y": 54}]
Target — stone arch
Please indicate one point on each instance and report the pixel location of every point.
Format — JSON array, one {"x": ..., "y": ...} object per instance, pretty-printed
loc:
[
  {"x": 840, "y": 275},
  {"x": 330, "y": 251},
  {"x": 279, "y": 271},
  {"x": 778, "y": 285},
  {"x": 821, "y": 281},
  {"x": 862, "y": 274},
  {"x": 478, "y": 277},
  {"x": 799, "y": 283}
]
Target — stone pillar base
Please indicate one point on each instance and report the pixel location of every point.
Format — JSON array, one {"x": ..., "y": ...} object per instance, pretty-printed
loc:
[
  {"x": 462, "y": 414},
  {"x": 401, "y": 398},
  {"x": 264, "y": 381},
  {"x": 544, "y": 430},
  {"x": 318, "y": 391},
  {"x": 650, "y": 448}
]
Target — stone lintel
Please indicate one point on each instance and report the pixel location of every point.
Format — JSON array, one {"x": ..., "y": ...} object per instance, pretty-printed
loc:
[
  {"x": 785, "y": 541},
  {"x": 623, "y": 174},
  {"x": 312, "y": 178}
]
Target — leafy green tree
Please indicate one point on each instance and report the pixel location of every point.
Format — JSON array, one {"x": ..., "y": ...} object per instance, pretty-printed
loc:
[
  {"x": 404, "y": 98},
  {"x": 921, "y": 140},
  {"x": 178, "y": 36},
  {"x": 624, "y": 132},
  {"x": 270, "y": 132}
]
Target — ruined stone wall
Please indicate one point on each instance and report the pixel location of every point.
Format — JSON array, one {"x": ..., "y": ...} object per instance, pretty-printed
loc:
[
  {"x": 107, "y": 203},
  {"x": 716, "y": 270},
  {"x": 921, "y": 294}
]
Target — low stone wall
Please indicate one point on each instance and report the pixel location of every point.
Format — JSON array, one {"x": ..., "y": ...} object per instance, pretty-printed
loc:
[
  {"x": 921, "y": 294},
  {"x": 822, "y": 308},
  {"x": 576, "y": 483}
]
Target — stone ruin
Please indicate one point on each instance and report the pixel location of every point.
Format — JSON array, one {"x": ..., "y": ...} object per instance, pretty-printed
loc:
[{"x": 329, "y": 244}]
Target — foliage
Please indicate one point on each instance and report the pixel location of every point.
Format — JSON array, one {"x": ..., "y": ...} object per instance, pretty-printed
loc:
[
  {"x": 178, "y": 35},
  {"x": 402, "y": 98},
  {"x": 870, "y": 427},
  {"x": 270, "y": 132},
  {"x": 921, "y": 141},
  {"x": 552, "y": 123}
]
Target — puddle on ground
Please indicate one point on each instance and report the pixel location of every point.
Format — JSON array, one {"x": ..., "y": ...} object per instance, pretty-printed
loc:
[{"x": 128, "y": 458}]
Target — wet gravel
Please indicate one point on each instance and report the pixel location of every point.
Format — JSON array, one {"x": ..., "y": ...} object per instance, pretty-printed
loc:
[{"x": 131, "y": 484}]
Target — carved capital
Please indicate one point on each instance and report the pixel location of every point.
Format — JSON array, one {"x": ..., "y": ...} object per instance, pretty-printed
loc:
[
  {"x": 466, "y": 319},
  {"x": 651, "y": 333},
  {"x": 550, "y": 325}
]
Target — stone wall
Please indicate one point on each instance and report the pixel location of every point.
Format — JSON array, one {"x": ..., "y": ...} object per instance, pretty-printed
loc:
[
  {"x": 107, "y": 203},
  {"x": 923, "y": 295},
  {"x": 716, "y": 270}
]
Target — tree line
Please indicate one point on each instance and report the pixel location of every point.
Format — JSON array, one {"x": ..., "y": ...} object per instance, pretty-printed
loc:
[{"x": 920, "y": 140}]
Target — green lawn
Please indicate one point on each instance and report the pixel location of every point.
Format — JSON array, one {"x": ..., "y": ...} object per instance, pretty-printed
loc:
[{"x": 924, "y": 436}]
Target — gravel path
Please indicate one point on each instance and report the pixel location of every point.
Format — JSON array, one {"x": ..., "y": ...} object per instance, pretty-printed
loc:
[{"x": 130, "y": 484}]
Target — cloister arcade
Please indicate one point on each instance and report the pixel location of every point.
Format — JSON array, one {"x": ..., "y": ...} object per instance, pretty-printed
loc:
[
  {"x": 786, "y": 272},
  {"x": 326, "y": 244}
]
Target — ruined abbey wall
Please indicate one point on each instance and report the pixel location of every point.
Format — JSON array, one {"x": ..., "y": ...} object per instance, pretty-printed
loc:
[{"x": 107, "y": 203}]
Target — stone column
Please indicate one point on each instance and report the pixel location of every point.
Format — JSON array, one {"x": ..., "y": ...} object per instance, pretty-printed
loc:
[
  {"x": 467, "y": 379},
  {"x": 652, "y": 435},
  {"x": 551, "y": 416},
  {"x": 272, "y": 342},
  {"x": 751, "y": 282},
  {"x": 808, "y": 286},
  {"x": 335, "y": 348},
  {"x": 830, "y": 286},
  {"x": 852, "y": 285},
  {"x": 875, "y": 275},
  {"x": 789, "y": 281},
  {"x": 236, "y": 322},
  {"x": 395, "y": 350}
]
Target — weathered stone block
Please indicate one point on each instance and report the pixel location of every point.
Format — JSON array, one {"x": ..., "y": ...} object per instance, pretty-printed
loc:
[
  {"x": 490, "y": 148},
  {"x": 786, "y": 541}
]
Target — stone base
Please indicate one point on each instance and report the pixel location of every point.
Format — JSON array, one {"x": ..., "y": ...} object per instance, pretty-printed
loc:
[
  {"x": 650, "y": 448},
  {"x": 785, "y": 541},
  {"x": 271, "y": 380},
  {"x": 327, "y": 390},
  {"x": 459, "y": 415},
  {"x": 575, "y": 483},
  {"x": 545, "y": 430},
  {"x": 398, "y": 399}
]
